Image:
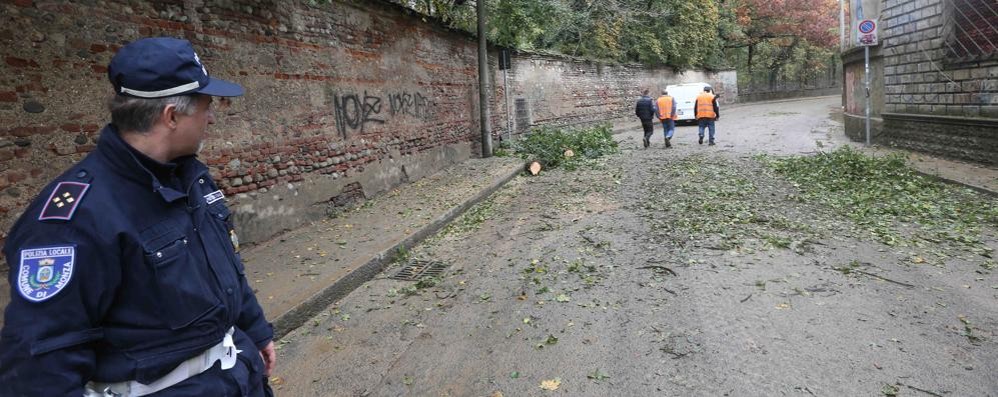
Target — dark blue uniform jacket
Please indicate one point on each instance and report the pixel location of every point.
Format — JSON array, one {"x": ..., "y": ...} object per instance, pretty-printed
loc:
[
  {"x": 146, "y": 275},
  {"x": 646, "y": 109}
]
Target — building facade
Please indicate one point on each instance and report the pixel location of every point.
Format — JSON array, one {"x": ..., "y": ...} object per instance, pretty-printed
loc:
[{"x": 933, "y": 77}]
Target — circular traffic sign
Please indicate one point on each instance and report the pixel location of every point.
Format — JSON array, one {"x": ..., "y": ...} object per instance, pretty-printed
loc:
[{"x": 867, "y": 26}]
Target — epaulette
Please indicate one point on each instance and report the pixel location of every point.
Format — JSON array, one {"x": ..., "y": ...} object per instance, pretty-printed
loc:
[{"x": 63, "y": 201}]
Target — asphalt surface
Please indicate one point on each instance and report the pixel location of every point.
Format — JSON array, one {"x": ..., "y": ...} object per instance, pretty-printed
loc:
[{"x": 623, "y": 279}]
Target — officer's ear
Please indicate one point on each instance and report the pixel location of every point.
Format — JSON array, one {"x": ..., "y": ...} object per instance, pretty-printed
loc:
[{"x": 169, "y": 115}]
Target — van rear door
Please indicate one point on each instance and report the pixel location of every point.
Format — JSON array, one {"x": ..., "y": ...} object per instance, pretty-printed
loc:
[{"x": 686, "y": 95}]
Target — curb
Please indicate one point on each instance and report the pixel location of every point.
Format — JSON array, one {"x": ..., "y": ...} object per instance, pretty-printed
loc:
[
  {"x": 312, "y": 306},
  {"x": 878, "y": 149},
  {"x": 955, "y": 182}
]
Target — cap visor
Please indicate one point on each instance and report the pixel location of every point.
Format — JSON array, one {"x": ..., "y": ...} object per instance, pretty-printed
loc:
[{"x": 219, "y": 87}]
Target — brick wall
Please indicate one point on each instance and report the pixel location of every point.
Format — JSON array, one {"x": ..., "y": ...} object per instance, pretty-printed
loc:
[
  {"x": 343, "y": 100},
  {"x": 336, "y": 94},
  {"x": 919, "y": 79}
]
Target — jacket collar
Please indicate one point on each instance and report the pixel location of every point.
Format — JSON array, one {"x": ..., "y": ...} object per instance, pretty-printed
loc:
[{"x": 125, "y": 160}]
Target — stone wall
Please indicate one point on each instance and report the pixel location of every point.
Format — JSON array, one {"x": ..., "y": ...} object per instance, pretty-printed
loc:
[
  {"x": 918, "y": 78},
  {"x": 777, "y": 95},
  {"x": 559, "y": 91},
  {"x": 343, "y": 100},
  {"x": 972, "y": 139},
  {"x": 931, "y": 101}
]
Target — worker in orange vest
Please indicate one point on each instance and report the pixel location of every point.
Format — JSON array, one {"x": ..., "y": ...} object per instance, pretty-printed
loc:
[
  {"x": 667, "y": 115},
  {"x": 706, "y": 112}
]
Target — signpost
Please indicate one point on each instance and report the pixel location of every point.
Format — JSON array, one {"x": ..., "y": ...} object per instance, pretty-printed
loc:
[{"x": 867, "y": 37}]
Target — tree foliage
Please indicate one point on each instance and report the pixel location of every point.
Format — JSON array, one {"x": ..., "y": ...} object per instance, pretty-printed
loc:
[
  {"x": 780, "y": 39},
  {"x": 679, "y": 33},
  {"x": 684, "y": 34}
]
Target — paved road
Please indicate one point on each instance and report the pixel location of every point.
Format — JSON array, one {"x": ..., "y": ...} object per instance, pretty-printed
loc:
[{"x": 680, "y": 272}]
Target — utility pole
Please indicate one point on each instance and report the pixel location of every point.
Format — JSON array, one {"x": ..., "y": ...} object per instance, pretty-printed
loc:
[{"x": 483, "y": 81}]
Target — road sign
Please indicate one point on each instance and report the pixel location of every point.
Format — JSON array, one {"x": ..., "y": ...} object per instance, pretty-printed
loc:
[{"x": 867, "y": 32}]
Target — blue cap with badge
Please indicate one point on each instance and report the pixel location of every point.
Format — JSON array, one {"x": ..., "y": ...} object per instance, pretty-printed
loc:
[{"x": 161, "y": 67}]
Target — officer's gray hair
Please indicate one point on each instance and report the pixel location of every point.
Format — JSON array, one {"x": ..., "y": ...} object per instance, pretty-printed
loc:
[{"x": 131, "y": 114}]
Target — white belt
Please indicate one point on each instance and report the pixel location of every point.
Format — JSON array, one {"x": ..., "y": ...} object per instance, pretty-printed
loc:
[{"x": 225, "y": 351}]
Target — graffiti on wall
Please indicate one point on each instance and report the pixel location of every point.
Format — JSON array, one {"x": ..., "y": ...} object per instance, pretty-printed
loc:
[
  {"x": 354, "y": 111},
  {"x": 405, "y": 103}
]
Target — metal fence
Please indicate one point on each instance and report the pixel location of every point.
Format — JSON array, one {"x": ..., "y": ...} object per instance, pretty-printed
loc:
[{"x": 971, "y": 30}]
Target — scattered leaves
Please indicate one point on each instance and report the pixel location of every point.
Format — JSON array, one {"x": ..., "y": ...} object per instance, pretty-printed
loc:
[{"x": 551, "y": 384}]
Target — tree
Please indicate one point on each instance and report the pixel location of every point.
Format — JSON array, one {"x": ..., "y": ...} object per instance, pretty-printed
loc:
[{"x": 762, "y": 20}]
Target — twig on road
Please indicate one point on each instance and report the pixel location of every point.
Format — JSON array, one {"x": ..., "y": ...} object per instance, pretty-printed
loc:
[
  {"x": 660, "y": 269},
  {"x": 746, "y": 299},
  {"x": 931, "y": 393},
  {"x": 874, "y": 275},
  {"x": 675, "y": 355}
]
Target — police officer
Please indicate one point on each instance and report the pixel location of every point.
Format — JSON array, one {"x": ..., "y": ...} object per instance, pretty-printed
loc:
[{"x": 125, "y": 274}]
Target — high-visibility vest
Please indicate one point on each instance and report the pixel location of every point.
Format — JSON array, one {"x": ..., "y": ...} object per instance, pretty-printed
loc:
[
  {"x": 664, "y": 107},
  {"x": 705, "y": 106}
]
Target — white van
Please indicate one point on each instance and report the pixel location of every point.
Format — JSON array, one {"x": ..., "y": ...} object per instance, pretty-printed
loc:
[{"x": 686, "y": 96}]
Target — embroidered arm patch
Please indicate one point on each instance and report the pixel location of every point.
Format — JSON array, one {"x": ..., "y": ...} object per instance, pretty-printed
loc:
[
  {"x": 43, "y": 272},
  {"x": 63, "y": 202}
]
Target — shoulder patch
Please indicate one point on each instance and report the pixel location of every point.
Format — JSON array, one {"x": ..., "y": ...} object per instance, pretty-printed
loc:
[
  {"x": 44, "y": 272},
  {"x": 212, "y": 197},
  {"x": 63, "y": 202}
]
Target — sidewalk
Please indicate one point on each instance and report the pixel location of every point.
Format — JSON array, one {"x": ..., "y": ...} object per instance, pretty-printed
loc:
[
  {"x": 975, "y": 176},
  {"x": 298, "y": 274}
]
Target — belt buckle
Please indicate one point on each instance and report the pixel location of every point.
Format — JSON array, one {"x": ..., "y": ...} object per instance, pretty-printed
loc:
[{"x": 96, "y": 390}]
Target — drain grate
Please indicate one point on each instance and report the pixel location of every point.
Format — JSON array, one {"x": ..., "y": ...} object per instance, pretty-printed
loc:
[{"x": 420, "y": 269}]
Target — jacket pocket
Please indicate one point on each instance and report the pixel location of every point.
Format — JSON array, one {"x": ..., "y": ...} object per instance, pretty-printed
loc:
[
  {"x": 181, "y": 282},
  {"x": 221, "y": 216}
]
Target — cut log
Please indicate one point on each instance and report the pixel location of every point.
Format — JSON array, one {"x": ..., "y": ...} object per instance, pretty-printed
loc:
[{"x": 534, "y": 168}]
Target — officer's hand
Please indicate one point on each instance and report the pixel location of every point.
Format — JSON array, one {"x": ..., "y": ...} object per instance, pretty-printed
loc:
[{"x": 269, "y": 356}]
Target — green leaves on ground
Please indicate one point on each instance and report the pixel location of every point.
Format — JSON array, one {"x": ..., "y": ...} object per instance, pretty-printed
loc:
[
  {"x": 882, "y": 193},
  {"x": 548, "y": 145},
  {"x": 598, "y": 375},
  {"x": 699, "y": 196}
]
